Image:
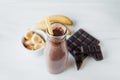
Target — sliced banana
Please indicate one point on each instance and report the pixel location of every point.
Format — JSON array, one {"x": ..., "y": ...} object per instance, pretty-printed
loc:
[
  {"x": 28, "y": 35},
  {"x": 33, "y": 40},
  {"x": 30, "y": 47},
  {"x": 36, "y": 38},
  {"x": 37, "y": 46},
  {"x": 27, "y": 42}
]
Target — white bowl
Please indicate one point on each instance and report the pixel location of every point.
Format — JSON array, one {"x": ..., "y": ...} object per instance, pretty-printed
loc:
[{"x": 39, "y": 51}]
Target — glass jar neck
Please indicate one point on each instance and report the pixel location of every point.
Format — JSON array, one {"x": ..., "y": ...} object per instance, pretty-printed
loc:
[{"x": 63, "y": 36}]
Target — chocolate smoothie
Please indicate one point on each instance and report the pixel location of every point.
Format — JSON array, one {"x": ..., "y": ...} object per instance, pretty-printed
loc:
[{"x": 56, "y": 49}]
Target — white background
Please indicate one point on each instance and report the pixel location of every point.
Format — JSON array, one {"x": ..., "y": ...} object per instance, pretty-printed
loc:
[{"x": 100, "y": 18}]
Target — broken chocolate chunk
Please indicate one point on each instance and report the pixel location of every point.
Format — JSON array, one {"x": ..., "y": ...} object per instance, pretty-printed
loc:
[
  {"x": 97, "y": 54},
  {"x": 93, "y": 51},
  {"x": 79, "y": 56}
]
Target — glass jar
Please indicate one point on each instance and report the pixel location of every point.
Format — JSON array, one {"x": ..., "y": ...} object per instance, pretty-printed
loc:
[{"x": 56, "y": 50}]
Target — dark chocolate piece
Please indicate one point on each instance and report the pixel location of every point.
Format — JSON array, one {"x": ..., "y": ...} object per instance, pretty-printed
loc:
[
  {"x": 93, "y": 51},
  {"x": 81, "y": 44},
  {"x": 97, "y": 54},
  {"x": 79, "y": 56},
  {"x": 81, "y": 37}
]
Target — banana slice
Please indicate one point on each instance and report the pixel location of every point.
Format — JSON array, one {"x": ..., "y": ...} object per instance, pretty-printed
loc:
[
  {"x": 28, "y": 35},
  {"x": 30, "y": 47},
  {"x": 36, "y": 38},
  {"x": 37, "y": 46},
  {"x": 26, "y": 42}
]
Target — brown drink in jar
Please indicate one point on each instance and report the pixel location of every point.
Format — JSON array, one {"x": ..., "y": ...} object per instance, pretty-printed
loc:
[{"x": 56, "y": 49}]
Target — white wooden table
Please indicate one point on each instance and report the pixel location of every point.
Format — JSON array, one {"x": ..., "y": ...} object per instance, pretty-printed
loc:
[{"x": 99, "y": 18}]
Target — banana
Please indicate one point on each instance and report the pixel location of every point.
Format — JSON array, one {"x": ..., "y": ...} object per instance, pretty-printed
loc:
[
  {"x": 41, "y": 25},
  {"x": 60, "y": 19},
  {"x": 28, "y": 35}
]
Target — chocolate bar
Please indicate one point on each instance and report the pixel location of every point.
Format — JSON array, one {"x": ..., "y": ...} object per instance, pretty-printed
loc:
[{"x": 81, "y": 44}]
